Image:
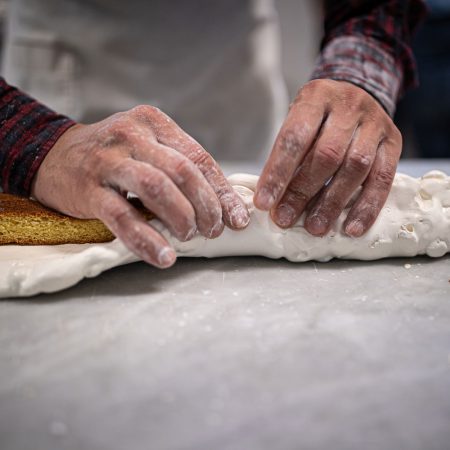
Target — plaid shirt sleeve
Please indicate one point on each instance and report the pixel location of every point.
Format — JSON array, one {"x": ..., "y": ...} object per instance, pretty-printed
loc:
[
  {"x": 367, "y": 42},
  {"x": 28, "y": 130}
]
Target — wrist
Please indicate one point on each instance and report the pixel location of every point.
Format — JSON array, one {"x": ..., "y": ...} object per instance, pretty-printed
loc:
[{"x": 42, "y": 175}]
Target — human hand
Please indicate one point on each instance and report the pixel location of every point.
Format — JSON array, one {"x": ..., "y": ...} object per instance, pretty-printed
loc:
[
  {"x": 334, "y": 130},
  {"x": 91, "y": 168}
]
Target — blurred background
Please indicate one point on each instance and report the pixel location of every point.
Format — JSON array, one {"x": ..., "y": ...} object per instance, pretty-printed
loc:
[{"x": 423, "y": 115}]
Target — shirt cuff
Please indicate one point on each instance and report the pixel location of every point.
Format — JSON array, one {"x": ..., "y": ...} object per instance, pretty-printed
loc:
[
  {"x": 361, "y": 61},
  {"x": 28, "y": 131}
]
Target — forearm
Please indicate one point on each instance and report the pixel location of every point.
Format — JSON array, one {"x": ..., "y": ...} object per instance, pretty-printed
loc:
[
  {"x": 28, "y": 130},
  {"x": 368, "y": 43}
]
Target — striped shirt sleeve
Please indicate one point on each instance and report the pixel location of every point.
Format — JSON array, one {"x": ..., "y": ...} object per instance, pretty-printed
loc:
[
  {"x": 28, "y": 130},
  {"x": 368, "y": 43}
]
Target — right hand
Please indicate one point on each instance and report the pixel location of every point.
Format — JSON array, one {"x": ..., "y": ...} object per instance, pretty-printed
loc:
[{"x": 91, "y": 168}]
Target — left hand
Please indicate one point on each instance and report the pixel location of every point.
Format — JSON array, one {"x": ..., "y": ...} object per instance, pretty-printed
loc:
[{"x": 335, "y": 138}]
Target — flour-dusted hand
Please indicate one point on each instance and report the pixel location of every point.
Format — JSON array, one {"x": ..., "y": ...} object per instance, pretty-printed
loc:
[
  {"x": 91, "y": 168},
  {"x": 335, "y": 138}
]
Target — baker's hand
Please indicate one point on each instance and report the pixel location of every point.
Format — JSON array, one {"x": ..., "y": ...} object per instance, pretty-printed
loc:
[
  {"x": 91, "y": 168},
  {"x": 335, "y": 138}
]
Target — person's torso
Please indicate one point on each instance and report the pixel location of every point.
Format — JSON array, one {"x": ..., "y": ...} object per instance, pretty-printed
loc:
[{"x": 212, "y": 65}]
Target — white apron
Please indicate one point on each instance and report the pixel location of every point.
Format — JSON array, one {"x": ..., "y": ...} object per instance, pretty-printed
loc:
[{"x": 212, "y": 65}]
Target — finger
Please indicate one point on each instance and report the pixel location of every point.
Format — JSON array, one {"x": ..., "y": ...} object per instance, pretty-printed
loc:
[
  {"x": 376, "y": 189},
  {"x": 321, "y": 163},
  {"x": 291, "y": 146},
  {"x": 131, "y": 228},
  {"x": 235, "y": 214},
  {"x": 189, "y": 180},
  {"x": 354, "y": 170},
  {"x": 157, "y": 192}
]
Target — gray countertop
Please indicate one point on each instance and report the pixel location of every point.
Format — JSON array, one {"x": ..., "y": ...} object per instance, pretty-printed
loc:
[{"x": 233, "y": 353}]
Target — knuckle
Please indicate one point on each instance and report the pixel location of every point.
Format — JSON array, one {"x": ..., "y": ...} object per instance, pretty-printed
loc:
[
  {"x": 384, "y": 178},
  {"x": 145, "y": 111},
  {"x": 120, "y": 132},
  {"x": 330, "y": 210},
  {"x": 313, "y": 86},
  {"x": 358, "y": 162},
  {"x": 334, "y": 206},
  {"x": 148, "y": 182},
  {"x": 148, "y": 115},
  {"x": 296, "y": 192},
  {"x": 116, "y": 214},
  {"x": 308, "y": 88},
  {"x": 117, "y": 132},
  {"x": 183, "y": 171},
  {"x": 154, "y": 185},
  {"x": 331, "y": 203},
  {"x": 371, "y": 209},
  {"x": 296, "y": 197},
  {"x": 223, "y": 193},
  {"x": 329, "y": 156},
  {"x": 356, "y": 104},
  {"x": 356, "y": 100},
  {"x": 138, "y": 242},
  {"x": 201, "y": 158}
]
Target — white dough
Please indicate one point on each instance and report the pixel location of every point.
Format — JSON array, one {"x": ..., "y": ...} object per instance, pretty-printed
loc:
[{"x": 414, "y": 221}]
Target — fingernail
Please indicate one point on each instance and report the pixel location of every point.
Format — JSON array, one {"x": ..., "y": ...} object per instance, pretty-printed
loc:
[
  {"x": 284, "y": 215},
  {"x": 216, "y": 230},
  {"x": 166, "y": 257},
  {"x": 265, "y": 199},
  {"x": 317, "y": 225},
  {"x": 240, "y": 217},
  {"x": 355, "y": 228}
]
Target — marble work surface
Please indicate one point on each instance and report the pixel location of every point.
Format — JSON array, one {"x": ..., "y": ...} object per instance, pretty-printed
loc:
[{"x": 233, "y": 353}]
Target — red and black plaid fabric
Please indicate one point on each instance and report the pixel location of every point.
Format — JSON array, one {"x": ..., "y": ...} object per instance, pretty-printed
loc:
[
  {"x": 391, "y": 23},
  {"x": 28, "y": 131},
  {"x": 367, "y": 42}
]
